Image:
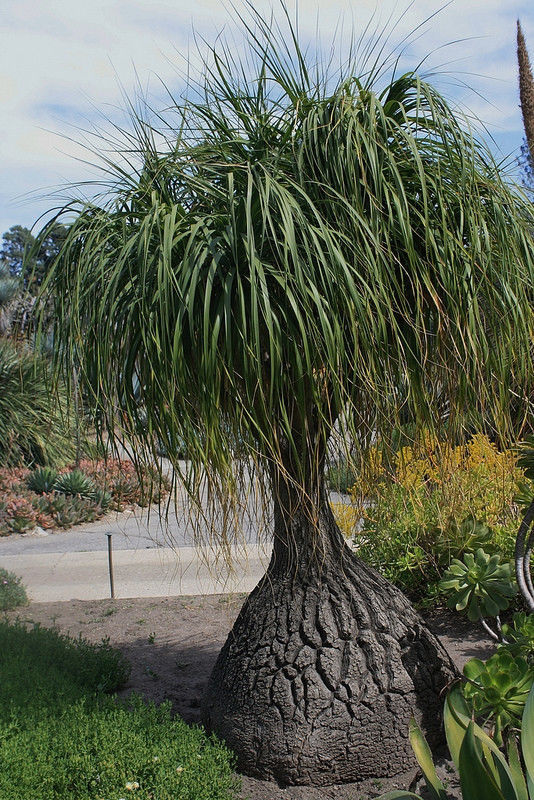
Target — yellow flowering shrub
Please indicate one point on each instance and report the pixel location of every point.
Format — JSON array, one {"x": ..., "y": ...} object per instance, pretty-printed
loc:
[
  {"x": 429, "y": 502},
  {"x": 473, "y": 480},
  {"x": 347, "y": 518}
]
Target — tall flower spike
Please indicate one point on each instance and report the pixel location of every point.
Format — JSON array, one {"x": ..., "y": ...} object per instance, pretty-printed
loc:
[{"x": 526, "y": 89}]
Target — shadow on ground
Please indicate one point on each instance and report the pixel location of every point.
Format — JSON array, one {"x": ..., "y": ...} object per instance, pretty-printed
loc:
[{"x": 172, "y": 644}]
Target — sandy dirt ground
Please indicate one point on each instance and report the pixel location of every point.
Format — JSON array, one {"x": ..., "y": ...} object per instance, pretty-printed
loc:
[{"x": 172, "y": 644}]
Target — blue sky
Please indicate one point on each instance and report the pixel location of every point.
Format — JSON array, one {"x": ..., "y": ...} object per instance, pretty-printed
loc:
[{"x": 64, "y": 64}]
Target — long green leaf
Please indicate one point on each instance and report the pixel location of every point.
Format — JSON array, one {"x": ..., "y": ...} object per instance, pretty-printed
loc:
[
  {"x": 475, "y": 779},
  {"x": 457, "y": 722},
  {"x": 527, "y": 735},
  {"x": 294, "y": 252},
  {"x": 397, "y": 794},
  {"x": 424, "y": 757},
  {"x": 516, "y": 771}
]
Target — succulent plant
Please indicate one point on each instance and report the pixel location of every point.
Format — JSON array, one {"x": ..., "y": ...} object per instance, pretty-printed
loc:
[
  {"x": 466, "y": 537},
  {"x": 485, "y": 774},
  {"x": 75, "y": 483},
  {"x": 42, "y": 480},
  {"x": 498, "y": 689},
  {"x": 480, "y": 584},
  {"x": 68, "y": 510},
  {"x": 102, "y": 498},
  {"x": 519, "y": 635}
]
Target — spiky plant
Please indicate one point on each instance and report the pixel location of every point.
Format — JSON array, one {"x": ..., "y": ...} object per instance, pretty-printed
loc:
[
  {"x": 33, "y": 427},
  {"x": 303, "y": 249}
]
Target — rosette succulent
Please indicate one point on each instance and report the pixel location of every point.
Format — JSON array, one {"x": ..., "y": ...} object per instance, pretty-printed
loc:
[
  {"x": 497, "y": 689},
  {"x": 481, "y": 584},
  {"x": 75, "y": 483},
  {"x": 42, "y": 479},
  {"x": 519, "y": 635}
]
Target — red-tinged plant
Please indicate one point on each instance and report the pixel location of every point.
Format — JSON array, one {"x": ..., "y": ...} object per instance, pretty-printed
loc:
[
  {"x": 12, "y": 478},
  {"x": 17, "y": 514}
]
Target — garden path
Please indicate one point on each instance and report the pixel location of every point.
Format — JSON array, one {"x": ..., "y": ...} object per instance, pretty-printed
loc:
[{"x": 153, "y": 556}]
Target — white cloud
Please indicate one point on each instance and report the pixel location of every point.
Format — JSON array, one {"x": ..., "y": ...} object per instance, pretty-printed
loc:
[{"x": 63, "y": 59}]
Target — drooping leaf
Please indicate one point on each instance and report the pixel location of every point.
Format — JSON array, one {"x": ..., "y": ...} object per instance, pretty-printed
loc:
[{"x": 302, "y": 249}]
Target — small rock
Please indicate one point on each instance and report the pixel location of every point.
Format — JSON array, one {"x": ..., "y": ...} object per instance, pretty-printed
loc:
[{"x": 38, "y": 531}]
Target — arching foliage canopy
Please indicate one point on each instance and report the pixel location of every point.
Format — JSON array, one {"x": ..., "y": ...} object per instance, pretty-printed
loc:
[{"x": 302, "y": 245}]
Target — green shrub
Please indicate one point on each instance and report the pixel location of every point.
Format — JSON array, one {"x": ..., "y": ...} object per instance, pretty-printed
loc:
[
  {"x": 432, "y": 504},
  {"x": 61, "y": 738},
  {"x": 12, "y": 592},
  {"x": 33, "y": 427},
  {"x": 42, "y": 480}
]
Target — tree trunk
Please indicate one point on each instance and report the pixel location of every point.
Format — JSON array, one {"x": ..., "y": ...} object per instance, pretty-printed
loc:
[{"x": 325, "y": 664}]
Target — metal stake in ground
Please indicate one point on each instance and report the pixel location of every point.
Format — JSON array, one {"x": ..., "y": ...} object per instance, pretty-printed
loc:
[{"x": 110, "y": 565}]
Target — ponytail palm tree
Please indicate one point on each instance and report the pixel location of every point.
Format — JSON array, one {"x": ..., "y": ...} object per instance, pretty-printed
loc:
[{"x": 302, "y": 252}]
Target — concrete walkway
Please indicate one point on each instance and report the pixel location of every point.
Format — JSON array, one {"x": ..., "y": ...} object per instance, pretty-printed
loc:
[
  {"x": 153, "y": 556},
  {"x": 155, "y": 572}
]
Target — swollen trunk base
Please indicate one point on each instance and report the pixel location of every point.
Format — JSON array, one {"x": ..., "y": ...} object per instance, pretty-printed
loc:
[{"x": 323, "y": 669}]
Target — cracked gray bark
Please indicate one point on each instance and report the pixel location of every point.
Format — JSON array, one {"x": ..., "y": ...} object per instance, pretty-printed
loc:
[{"x": 325, "y": 664}]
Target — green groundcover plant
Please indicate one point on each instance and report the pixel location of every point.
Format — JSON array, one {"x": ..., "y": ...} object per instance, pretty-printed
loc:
[
  {"x": 12, "y": 592},
  {"x": 62, "y": 737}
]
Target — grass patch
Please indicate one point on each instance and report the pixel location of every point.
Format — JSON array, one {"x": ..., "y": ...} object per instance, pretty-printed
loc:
[{"x": 63, "y": 738}]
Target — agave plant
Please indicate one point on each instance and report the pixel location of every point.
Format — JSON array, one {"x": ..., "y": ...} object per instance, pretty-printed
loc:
[
  {"x": 75, "y": 483},
  {"x": 42, "y": 480}
]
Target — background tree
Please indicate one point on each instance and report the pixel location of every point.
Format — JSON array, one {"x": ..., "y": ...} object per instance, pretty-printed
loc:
[
  {"x": 26, "y": 259},
  {"x": 17, "y": 243},
  {"x": 305, "y": 249},
  {"x": 49, "y": 248}
]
